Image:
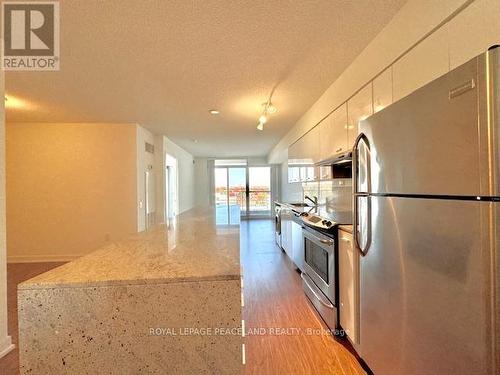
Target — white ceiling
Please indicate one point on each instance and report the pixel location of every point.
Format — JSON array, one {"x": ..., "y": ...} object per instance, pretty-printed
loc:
[{"x": 164, "y": 64}]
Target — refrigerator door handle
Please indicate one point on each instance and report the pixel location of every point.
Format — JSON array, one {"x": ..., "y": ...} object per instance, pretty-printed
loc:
[{"x": 358, "y": 195}]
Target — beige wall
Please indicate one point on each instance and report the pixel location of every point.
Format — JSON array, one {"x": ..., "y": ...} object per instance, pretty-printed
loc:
[
  {"x": 425, "y": 39},
  {"x": 202, "y": 188},
  {"x": 5, "y": 339},
  {"x": 145, "y": 161},
  {"x": 70, "y": 188},
  {"x": 185, "y": 170}
]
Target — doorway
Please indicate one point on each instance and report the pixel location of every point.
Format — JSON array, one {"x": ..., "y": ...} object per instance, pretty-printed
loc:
[{"x": 171, "y": 188}]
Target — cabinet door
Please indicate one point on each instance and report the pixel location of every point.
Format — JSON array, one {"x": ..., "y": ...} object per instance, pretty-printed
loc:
[
  {"x": 333, "y": 133},
  {"x": 359, "y": 107},
  {"x": 468, "y": 37},
  {"x": 311, "y": 174},
  {"x": 325, "y": 173},
  {"x": 382, "y": 90},
  {"x": 293, "y": 153},
  {"x": 424, "y": 63},
  {"x": 312, "y": 144},
  {"x": 349, "y": 286}
]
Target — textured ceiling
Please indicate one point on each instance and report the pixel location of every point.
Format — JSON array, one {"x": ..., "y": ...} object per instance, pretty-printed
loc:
[{"x": 164, "y": 64}]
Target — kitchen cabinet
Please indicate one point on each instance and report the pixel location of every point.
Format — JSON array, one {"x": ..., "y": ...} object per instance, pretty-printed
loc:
[
  {"x": 359, "y": 107},
  {"x": 424, "y": 63},
  {"x": 312, "y": 139},
  {"x": 295, "y": 152},
  {"x": 468, "y": 37},
  {"x": 382, "y": 90},
  {"x": 333, "y": 135},
  {"x": 303, "y": 174},
  {"x": 305, "y": 150},
  {"x": 325, "y": 173},
  {"x": 301, "y": 158},
  {"x": 349, "y": 286},
  {"x": 309, "y": 174}
]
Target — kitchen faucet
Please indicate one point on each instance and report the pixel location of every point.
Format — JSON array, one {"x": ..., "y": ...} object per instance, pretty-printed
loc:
[{"x": 314, "y": 199}]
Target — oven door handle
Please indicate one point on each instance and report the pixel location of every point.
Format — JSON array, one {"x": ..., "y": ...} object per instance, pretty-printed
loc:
[
  {"x": 326, "y": 304},
  {"x": 326, "y": 242},
  {"x": 322, "y": 240}
]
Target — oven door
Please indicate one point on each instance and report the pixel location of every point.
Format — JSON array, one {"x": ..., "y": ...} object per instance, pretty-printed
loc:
[{"x": 319, "y": 261}]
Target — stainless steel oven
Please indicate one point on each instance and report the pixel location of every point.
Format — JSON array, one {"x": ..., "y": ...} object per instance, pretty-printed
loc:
[{"x": 319, "y": 278}]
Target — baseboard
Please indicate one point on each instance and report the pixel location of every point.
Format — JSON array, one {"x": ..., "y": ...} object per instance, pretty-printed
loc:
[
  {"x": 7, "y": 346},
  {"x": 41, "y": 258}
]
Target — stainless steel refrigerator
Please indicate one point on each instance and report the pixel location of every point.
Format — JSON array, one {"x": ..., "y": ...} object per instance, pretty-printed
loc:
[{"x": 427, "y": 224}]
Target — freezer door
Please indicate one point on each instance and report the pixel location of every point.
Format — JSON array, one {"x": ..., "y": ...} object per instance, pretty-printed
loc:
[
  {"x": 428, "y": 142},
  {"x": 361, "y": 186},
  {"x": 425, "y": 288}
]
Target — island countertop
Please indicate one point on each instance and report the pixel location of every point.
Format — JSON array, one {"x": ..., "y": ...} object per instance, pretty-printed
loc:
[{"x": 194, "y": 247}]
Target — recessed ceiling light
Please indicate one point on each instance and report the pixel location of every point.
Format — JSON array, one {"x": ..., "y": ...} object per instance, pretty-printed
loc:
[{"x": 214, "y": 112}]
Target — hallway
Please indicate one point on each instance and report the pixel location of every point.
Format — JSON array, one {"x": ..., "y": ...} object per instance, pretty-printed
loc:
[{"x": 295, "y": 339}]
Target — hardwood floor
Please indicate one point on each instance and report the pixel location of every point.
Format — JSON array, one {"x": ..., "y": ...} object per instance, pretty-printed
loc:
[
  {"x": 17, "y": 273},
  {"x": 274, "y": 301}
]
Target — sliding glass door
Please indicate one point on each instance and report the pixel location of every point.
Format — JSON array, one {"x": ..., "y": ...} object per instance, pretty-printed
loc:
[
  {"x": 230, "y": 192},
  {"x": 259, "y": 188},
  {"x": 237, "y": 187},
  {"x": 243, "y": 186}
]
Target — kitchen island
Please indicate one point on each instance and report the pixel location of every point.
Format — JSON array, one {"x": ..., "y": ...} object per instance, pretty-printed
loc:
[{"x": 167, "y": 300}]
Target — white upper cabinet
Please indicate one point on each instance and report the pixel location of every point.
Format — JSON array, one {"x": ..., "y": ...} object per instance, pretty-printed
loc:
[
  {"x": 301, "y": 157},
  {"x": 312, "y": 144},
  {"x": 382, "y": 90},
  {"x": 468, "y": 37},
  {"x": 333, "y": 133},
  {"x": 306, "y": 150},
  {"x": 424, "y": 63},
  {"x": 359, "y": 107},
  {"x": 295, "y": 152}
]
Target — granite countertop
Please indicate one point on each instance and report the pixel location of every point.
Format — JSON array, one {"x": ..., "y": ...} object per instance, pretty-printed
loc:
[
  {"x": 346, "y": 228},
  {"x": 194, "y": 247}
]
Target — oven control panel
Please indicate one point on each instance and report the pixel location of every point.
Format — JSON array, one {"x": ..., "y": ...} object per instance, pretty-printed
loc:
[{"x": 316, "y": 221}]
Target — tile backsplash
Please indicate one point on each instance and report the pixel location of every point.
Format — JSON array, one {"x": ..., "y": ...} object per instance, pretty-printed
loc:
[{"x": 334, "y": 193}]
